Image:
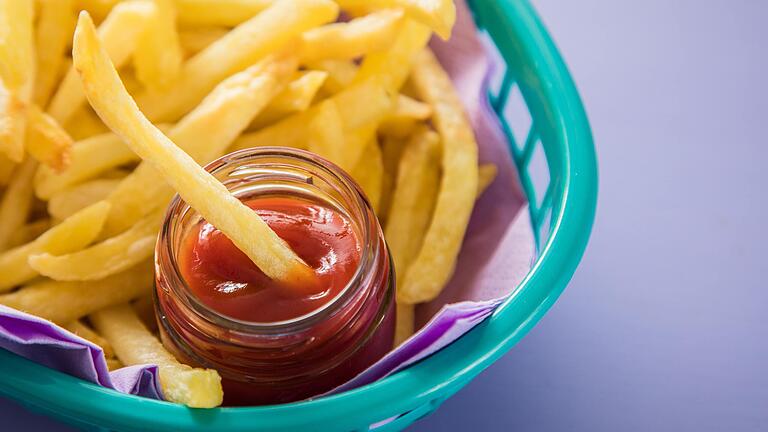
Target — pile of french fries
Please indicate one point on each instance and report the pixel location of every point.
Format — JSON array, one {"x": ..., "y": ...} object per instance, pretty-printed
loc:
[{"x": 103, "y": 118}]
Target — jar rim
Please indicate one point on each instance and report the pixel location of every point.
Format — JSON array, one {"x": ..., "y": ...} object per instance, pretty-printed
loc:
[{"x": 370, "y": 247}]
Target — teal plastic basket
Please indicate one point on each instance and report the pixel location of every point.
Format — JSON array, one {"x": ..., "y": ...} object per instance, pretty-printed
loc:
[{"x": 563, "y": 196}]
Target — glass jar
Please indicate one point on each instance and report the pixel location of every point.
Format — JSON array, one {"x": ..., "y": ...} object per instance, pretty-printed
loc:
[{"x": 286, "y": 361}]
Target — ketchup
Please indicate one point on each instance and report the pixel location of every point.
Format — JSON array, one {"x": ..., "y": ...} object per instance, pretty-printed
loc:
[{"x": 227, "y": 281}]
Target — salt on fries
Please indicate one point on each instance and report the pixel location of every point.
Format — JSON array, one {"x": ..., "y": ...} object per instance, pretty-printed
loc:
[{"x": 85, "y": 187}]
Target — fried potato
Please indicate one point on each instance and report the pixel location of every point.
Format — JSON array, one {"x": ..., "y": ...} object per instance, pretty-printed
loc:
[
  {"x": 134, "y": 344},
  {"x": 439, "y": 15},
  {"x": 195, "y": 185},
  {"x": 204, "y": 134},
  {"x": 29, "y": 232},
  {"x": 89, "y": 158},
  {"x": 77, "y": 327},
  {"x": 296, "y": 97},
  {"x": 111, "y": 256},
  {"x": 391, "y": 150},
  {"x": 228, "y": 13},
  {"x": 195, "y": 40},
  {"x": 85, "y": 124},
  {"x": 17, "y": 201},
  {"x": 270, "y": 31},
  {"x": 341, "y": 73},
  {"x": 73, "y": 234},
  {"x": 47, "y": 141},
  {"x": 70, "y": 201},
  {"x": 436, "y": 260},
  {"x": 349, "y": 40},
  {"x": 119, "y": 32},
  {"x": 114, "y": 364},
  {"x": 17, "y": 71},
  {"x": 404, "y": 322},
  {"x": 486, "y": 176},
  {"x": 64, "y": 302},
  {"x": 405, "y": 118},
  {"x": 369, "y": 170},
  {"x": 158, "y": 56},
  {"x": 52, "y": 35},
  {"x": 6, "y": 170}
]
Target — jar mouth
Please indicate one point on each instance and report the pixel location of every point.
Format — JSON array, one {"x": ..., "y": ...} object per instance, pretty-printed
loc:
[{"x": 246, "y": 162}]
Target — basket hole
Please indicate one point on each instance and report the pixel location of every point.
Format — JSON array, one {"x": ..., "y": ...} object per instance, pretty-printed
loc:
[
  {"x": 498, "y": 65},
  {"x": 538, "y": 172},
  {"x": 517, "y": 116}
]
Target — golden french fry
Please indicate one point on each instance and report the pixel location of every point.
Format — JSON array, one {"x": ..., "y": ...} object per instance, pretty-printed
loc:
[
  {"x": 195, "y": 185},
  {"x": 17, "y": 71},
  {"x": 89, "y": 158},
  {"x": 486, "y": 173},
  {"x": 439, "y": 15},
  {"x": 405, "y": 118},
  {"x": 341, "y": 73},
  {"x": 47, "y": 141},
  {"x": 326, "y": 131},
  {"x": 53, "y": 32},
  {"x": 119, "y": 32},
  {"x": 114, "y": 364},
  {"x": 134, "y": 344},
  {"x": 296, "y": 97},
  {"x": 29, "y": 232},
  {"x": 369, "y": 170},
  {"x": 72, "y": 234},
  {"x": 158, "y": 54},
  {"x": 85, "y": 124},
  {"x": 145, "y": 310},
  {"x": 6, "y": 170},
  {"x": 71, "y": 200},
  {"x": 228, "y": 13},
  {"x": 64, "y": 302},
  {"x": 205, "y": 133},
  {"x": 349, "y": 40},
  {"x": 391, "y": 150},
  {"x": 272, "y": 30},
  {"x": 111, "y": 256},
  {"x": 359, "y": 105},
  {"x": 98, "y": 8},
  {"x": 436, "y": 260},
  {"x": 195, "y": 40},
  {"x": 77, "y": 327},
  {"x": 404, "y": 325},
  {"x": 413, "y": 201},
  {"x": 17, "y": 201}
]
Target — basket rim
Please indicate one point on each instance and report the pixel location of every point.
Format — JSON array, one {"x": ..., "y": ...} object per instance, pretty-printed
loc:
[{"x": 432, "y": 379}]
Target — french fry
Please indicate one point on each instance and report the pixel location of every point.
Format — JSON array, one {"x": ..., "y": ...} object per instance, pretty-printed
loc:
[
  {"x": 6, "y": 170},
  {"x": 326, "y": 131},
  {"x": 414, "y": 198},
  {"x": 70, "y": 201},
  {"x": 47, "y": 141},
  {"x": 64, "y": 302},
  {"x": 89, "y": 158},
  {"x": 17, "y": 70},
  {"x": 369, "y": 170},
  {"x": 111, "y": 256},
  {"x": 486, "y": 174},
  {"x": 119, "y": 32},
  {"x": 77, "y": 327},
  {"x": 405, "y": 118},
  {"x": 53, "y": 32},
  {"x": 195, "y": 40},
  {"x": 29, "y": 232},
  {"x": 349, "y": 40},
  {"x": 73, "y": 234},
  {"x": 404, "y": 323},
  {"x": 359, "y": 105},
  {"x": 205, "y": 133},
  {"x": 17, "y": 201},
  {"x": 158, "y": 54},
  {"x": 439, "y": 15},
  {"x": 98, "y": 8},
  {"x": 228, "y": 13},
  {"x": 391, "y": 151},
  {"x": 114, "y": 364},
  {"x": 134, "y": 344},
  {"x": 436, "y": 260},
  {"x": 272, "y": 30},
  {"x": 296, "y": 97},
  {"x": 85, "y": 124},
  {"x": 341, "y": 73},
  {"x": 195, "y": 185}
]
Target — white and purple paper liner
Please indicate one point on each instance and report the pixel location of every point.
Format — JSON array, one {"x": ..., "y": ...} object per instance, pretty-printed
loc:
[{"x": 497, "y": 252}]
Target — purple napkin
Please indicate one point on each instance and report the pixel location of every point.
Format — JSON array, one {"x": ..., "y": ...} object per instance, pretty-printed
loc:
[
  {"x": 497, "y": 253},
  {"x": 50, "y": 345}
]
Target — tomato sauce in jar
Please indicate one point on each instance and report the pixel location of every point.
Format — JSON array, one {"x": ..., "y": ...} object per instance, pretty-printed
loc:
[{"x": 270, "y": 343}]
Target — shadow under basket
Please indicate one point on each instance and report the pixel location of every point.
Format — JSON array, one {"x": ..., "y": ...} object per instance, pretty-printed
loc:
[{"x": 552, "y": 148}]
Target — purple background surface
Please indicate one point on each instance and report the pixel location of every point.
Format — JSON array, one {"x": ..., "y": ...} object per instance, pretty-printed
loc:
[{"x": 664, "y": 326}]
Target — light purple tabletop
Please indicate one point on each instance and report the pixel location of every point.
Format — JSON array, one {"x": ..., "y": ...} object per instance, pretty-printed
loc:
[{"x": 664, "y": 326}]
